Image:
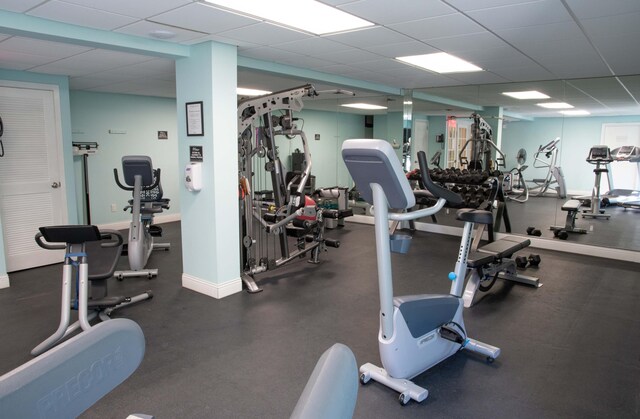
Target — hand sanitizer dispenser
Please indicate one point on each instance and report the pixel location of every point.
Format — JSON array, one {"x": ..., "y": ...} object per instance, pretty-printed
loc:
[{"x": 193, "y": 176}]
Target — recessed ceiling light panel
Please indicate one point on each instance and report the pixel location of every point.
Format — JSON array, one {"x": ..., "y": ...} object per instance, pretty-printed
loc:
[
  {"x": 577, "y": 112},
  {"x": 243, "y": 91},
  {"x": 440, "y": 62},
  {"x": 527, "y": 94},
  {"x": 305, "y": 15},
  {"x": 366, "y": 106},
  {"x": 555, "y": 105}
]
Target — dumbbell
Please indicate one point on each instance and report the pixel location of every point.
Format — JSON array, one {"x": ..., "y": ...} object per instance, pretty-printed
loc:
[
  {"x": 532, "y": 231},
  {"x": 534, "y": 260},
  {"x": 561, "y": 234},
  {"x": 521, "y": 261}
]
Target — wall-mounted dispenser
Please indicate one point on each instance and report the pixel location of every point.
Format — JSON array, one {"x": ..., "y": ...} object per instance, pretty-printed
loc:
[{"x": 193, "y": 176}]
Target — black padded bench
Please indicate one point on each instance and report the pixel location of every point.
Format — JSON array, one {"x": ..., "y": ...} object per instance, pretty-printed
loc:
[
  {"x": 493, "y": 260},
  {"x": 497, "y": 250},
  {"x": 572, "y": 207}
]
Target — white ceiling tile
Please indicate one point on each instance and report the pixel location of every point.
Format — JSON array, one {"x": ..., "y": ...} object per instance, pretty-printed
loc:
[
  {"x": 490, "y": 54},
  {"x": 79, "y": 15},
  {"x": 479, "y": 77},
  {"x": 522, "y": 15},
  {"x": 585, "y": 9},
  {"x": 304, "y": 61},
  {"x": 90, "y": 62},
  {"x": 339, "y": 2},
  {"x": 524, "y": 73},
  {"x": 144, "y": 28},
  {"x": 263, "y": 34},
  {"x": 202, "y": 18},
  {"x": 515, "y": 60},
  {"x": 620, "y": 25},
  {"x": 221, "y": 39},
  {"x": 340, "y": 69},
  {"x": 137, "y": 8},
  {"x": 401, "y": 49},
  {"x": 467, "y": 5},
  {"x": 313, "y": 45},
  {"x": 438, "y": 27},
  {"x": 269, "y": 54},
  {"x": 349, "y": 56},
  {"x": 369, "y": 36},
  {"x": 382, "y": 13},
  {"x": 14, "y": 60},
  {"x": 474, "y": 41},
  {"x": 44, "y": 48},
  {"x": 380, "y": 65},
  {"x": 18, "y": 6},
  {"x": 542, "y": 35}
]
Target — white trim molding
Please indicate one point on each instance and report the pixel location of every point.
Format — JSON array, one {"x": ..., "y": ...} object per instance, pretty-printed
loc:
[
  {"x": 4, "y": 281},
  {"x": 208, "y": 288}
]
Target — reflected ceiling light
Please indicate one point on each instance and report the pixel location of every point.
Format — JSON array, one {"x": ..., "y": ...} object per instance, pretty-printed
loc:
[
  {"x": 528, "y": 94},
  {"x": 407, "y": 102},
  {"x": 367, "y": 106},
  {"x": 243, "y": 91},
  {"x": 306, "y": 15},
  {"x": 440, "y": 62},
  {"x": 555, "y": 105},
  {"x": 577, "y": 112}
]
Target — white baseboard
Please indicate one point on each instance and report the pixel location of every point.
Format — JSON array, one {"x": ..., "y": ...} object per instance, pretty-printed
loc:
[
  {"x": 4, "y": 281},
  {"x": 212, "y": 290},
  {"x": 124, "y": 225}
]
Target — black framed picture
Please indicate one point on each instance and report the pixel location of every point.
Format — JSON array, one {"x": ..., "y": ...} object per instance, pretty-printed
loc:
[{"x": 195, "y": 119}]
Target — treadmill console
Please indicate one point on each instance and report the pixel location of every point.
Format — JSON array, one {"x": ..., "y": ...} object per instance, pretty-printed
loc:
[
  {"x": 599, "y": 154},
  {"x": 626, "y": 153}
]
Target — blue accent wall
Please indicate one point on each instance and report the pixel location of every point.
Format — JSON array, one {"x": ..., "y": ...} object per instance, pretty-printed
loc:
[
  {"x": 577, "y": 136},
  {"x": 140, "y": 118}
]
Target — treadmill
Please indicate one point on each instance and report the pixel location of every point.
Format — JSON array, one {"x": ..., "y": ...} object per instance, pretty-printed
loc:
[{"x": 628, "y": 198}]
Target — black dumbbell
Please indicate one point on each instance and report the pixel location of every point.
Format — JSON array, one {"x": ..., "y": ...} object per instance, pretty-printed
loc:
[
  {"x": 532, "y": 231},
  {"x": 534, "y": 260},
  {"x": 561, "y": 234},
  {"x": 521, "y": 261}
]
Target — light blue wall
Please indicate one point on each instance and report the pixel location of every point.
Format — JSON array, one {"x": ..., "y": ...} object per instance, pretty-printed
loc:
[
  {"x": 65, "y": 121},
  {"x": 437, "y": 126},
  {"x": 389, "y": 127},
  {"x": 141, "y": 117},
  {"x": 577, "y": 136}
]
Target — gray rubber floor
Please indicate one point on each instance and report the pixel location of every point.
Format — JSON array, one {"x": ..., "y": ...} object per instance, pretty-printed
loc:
[{"x": 570, "y": 349}]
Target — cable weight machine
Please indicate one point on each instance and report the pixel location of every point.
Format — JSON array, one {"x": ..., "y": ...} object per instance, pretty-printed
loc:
[{"x": 271, "y": 222}]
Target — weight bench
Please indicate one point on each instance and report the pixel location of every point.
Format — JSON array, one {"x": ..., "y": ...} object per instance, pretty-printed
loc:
[
  {"x": 68, "y": 379},
  {"x": 572, "y": 207},
  {"x": 493, "y": 260},
  {"x": 84, "y": 243}
]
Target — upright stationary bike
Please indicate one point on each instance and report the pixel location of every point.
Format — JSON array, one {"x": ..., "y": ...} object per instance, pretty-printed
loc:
[
  {"x": 416, "y": 331},
  {"x": 147, "y": 200}
]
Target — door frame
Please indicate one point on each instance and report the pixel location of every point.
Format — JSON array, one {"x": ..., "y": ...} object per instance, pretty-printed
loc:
[{"x": 57, "y": 120}]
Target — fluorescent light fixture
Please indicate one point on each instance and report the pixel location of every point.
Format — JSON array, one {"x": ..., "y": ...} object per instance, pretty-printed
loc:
[
  {"x": 577, "y": 112},
  {"x": 440, "y": 62},
  {"x": 407, "y": 102},
  {"x": 306, "y": 15},
  {"x": 243, "y": 91},
  {"x": 555, "y": 105},
  {"x": 367, "y": 106},
  {"x": 527, "y": 94}
]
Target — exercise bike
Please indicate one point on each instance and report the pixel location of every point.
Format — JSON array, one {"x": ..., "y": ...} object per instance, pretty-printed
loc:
[
  {"x": 144, "y": 182},
  {"x": 416, "y": 331}
]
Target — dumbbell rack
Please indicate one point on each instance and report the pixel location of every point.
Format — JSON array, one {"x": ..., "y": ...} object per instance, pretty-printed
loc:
[{"x": 480, "y": 190}]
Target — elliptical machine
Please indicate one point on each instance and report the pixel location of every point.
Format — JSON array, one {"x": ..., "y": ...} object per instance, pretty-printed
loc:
[
  {"x": 416, "y": 331},
  {"x": 147, "y": 200},
  {"x": 600, "y": 155}
]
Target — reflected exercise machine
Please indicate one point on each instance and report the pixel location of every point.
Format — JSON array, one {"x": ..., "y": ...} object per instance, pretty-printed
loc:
[
  {"x": 144, "y": 182},
  {"x": 600, "y": 156},
  {"x": 416, "y": 331}
]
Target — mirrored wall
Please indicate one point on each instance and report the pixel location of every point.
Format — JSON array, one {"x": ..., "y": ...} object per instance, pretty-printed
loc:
[{"x": 547, "y": 149}]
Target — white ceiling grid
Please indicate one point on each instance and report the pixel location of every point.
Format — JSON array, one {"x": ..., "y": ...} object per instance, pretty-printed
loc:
[{"x": 512, "y": 40}]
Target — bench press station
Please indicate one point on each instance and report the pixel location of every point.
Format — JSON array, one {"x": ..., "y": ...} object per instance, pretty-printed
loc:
[
  {"x": 572, "y": 207},
  {"x": 491, "y": 261}
]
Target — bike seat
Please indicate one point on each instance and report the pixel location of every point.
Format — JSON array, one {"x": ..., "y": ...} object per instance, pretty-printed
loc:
[{"x": 475, "y": 216}]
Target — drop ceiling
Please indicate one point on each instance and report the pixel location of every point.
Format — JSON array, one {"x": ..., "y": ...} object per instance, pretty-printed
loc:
[{"x": 578, "y": 51}]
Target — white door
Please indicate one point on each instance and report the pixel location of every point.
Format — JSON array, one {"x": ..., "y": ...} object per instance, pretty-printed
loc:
[
  {"x": 625, "y": 175},
  {"x": 32, "y": 193}
]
